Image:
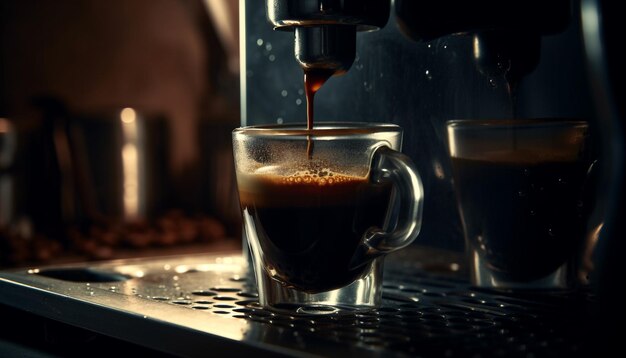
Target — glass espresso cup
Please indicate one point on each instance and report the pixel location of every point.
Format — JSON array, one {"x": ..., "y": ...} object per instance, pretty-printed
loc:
[
  {"x": 520, "y": 186},
  {"x": 321, "y": 208}
]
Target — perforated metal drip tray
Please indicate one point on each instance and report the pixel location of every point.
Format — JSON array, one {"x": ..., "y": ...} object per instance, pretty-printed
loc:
[{"x": 190, "y": 305}]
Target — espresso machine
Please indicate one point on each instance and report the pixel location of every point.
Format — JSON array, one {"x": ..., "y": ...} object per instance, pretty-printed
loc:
[{"x": 419, "y": 64}]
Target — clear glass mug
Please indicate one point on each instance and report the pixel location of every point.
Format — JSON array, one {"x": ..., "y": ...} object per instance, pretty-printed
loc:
[
  {"x": 520, "y": 186},
  {"x": 321, "y": 208}
]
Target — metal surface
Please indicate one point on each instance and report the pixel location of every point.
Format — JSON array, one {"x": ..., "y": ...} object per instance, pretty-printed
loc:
[{"x": 190, "y": 306}]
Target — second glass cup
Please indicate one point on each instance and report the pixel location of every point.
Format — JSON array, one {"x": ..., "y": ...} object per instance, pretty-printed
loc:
[
  {"x": 321, "y": 208},
  {"x": 521, "y": 186}
]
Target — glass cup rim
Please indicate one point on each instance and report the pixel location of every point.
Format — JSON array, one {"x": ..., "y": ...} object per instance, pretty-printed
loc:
[
  {"x": 516, "y": 123},
  {"x": 323, "y": 129}
]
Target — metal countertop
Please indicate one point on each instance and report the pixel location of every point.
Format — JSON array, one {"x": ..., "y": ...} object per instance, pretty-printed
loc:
[{"x": 201, "y": 305}]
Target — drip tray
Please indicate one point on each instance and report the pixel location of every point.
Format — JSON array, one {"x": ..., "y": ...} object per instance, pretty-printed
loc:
[{"x": 193, "y": 305}]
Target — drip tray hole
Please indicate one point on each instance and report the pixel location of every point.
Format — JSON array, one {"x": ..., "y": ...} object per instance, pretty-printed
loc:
[{"x": 83, "y": 275}]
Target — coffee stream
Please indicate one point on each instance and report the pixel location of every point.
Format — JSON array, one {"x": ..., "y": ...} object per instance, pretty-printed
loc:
[
  {"x": 512, "y": 87},
  {"x": 313, "y": 81}
]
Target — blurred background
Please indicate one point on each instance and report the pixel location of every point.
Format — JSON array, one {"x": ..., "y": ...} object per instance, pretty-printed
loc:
[{"x": 115, "y": 121}]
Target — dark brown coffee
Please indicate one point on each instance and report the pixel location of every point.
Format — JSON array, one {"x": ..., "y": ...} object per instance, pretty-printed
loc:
[
  {"x": 309, "y": 225},
  {"x": 314, "y": 79},
  {"x": 524, "y": 218}
]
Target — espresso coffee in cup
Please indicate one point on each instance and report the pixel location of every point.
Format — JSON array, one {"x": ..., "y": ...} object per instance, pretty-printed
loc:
[
  {"x": 319, "y": 223},
  {"x": 520, "y": 186},
  {"x": 523, "y": 215},
  {"x": 310, "y": 224}
]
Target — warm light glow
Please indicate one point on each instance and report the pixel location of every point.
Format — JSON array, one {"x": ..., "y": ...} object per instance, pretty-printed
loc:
[
  {"x": 316, "y": 86},
  {"x": 476, "y": 45},
  {"x": 5, "y": 125},
  {"x": 181, "y": 268},
  {"x": 451, "y": 143},
  {"x": 131, "y": 180},
  {"x": 128, "y": 115},
  {"x": 131, "y": 163}
]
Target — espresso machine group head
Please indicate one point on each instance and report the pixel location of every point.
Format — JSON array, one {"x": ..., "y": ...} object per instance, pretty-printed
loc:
[
  {"x": 325, "y": 30},
  {"x": 506, "y": 36}
]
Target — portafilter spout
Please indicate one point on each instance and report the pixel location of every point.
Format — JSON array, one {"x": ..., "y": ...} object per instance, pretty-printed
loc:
[{"x": 325, "y": 30}]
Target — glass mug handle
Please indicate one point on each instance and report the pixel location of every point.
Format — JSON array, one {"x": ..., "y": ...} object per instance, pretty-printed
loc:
[{"x": 390, "y": 165}]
